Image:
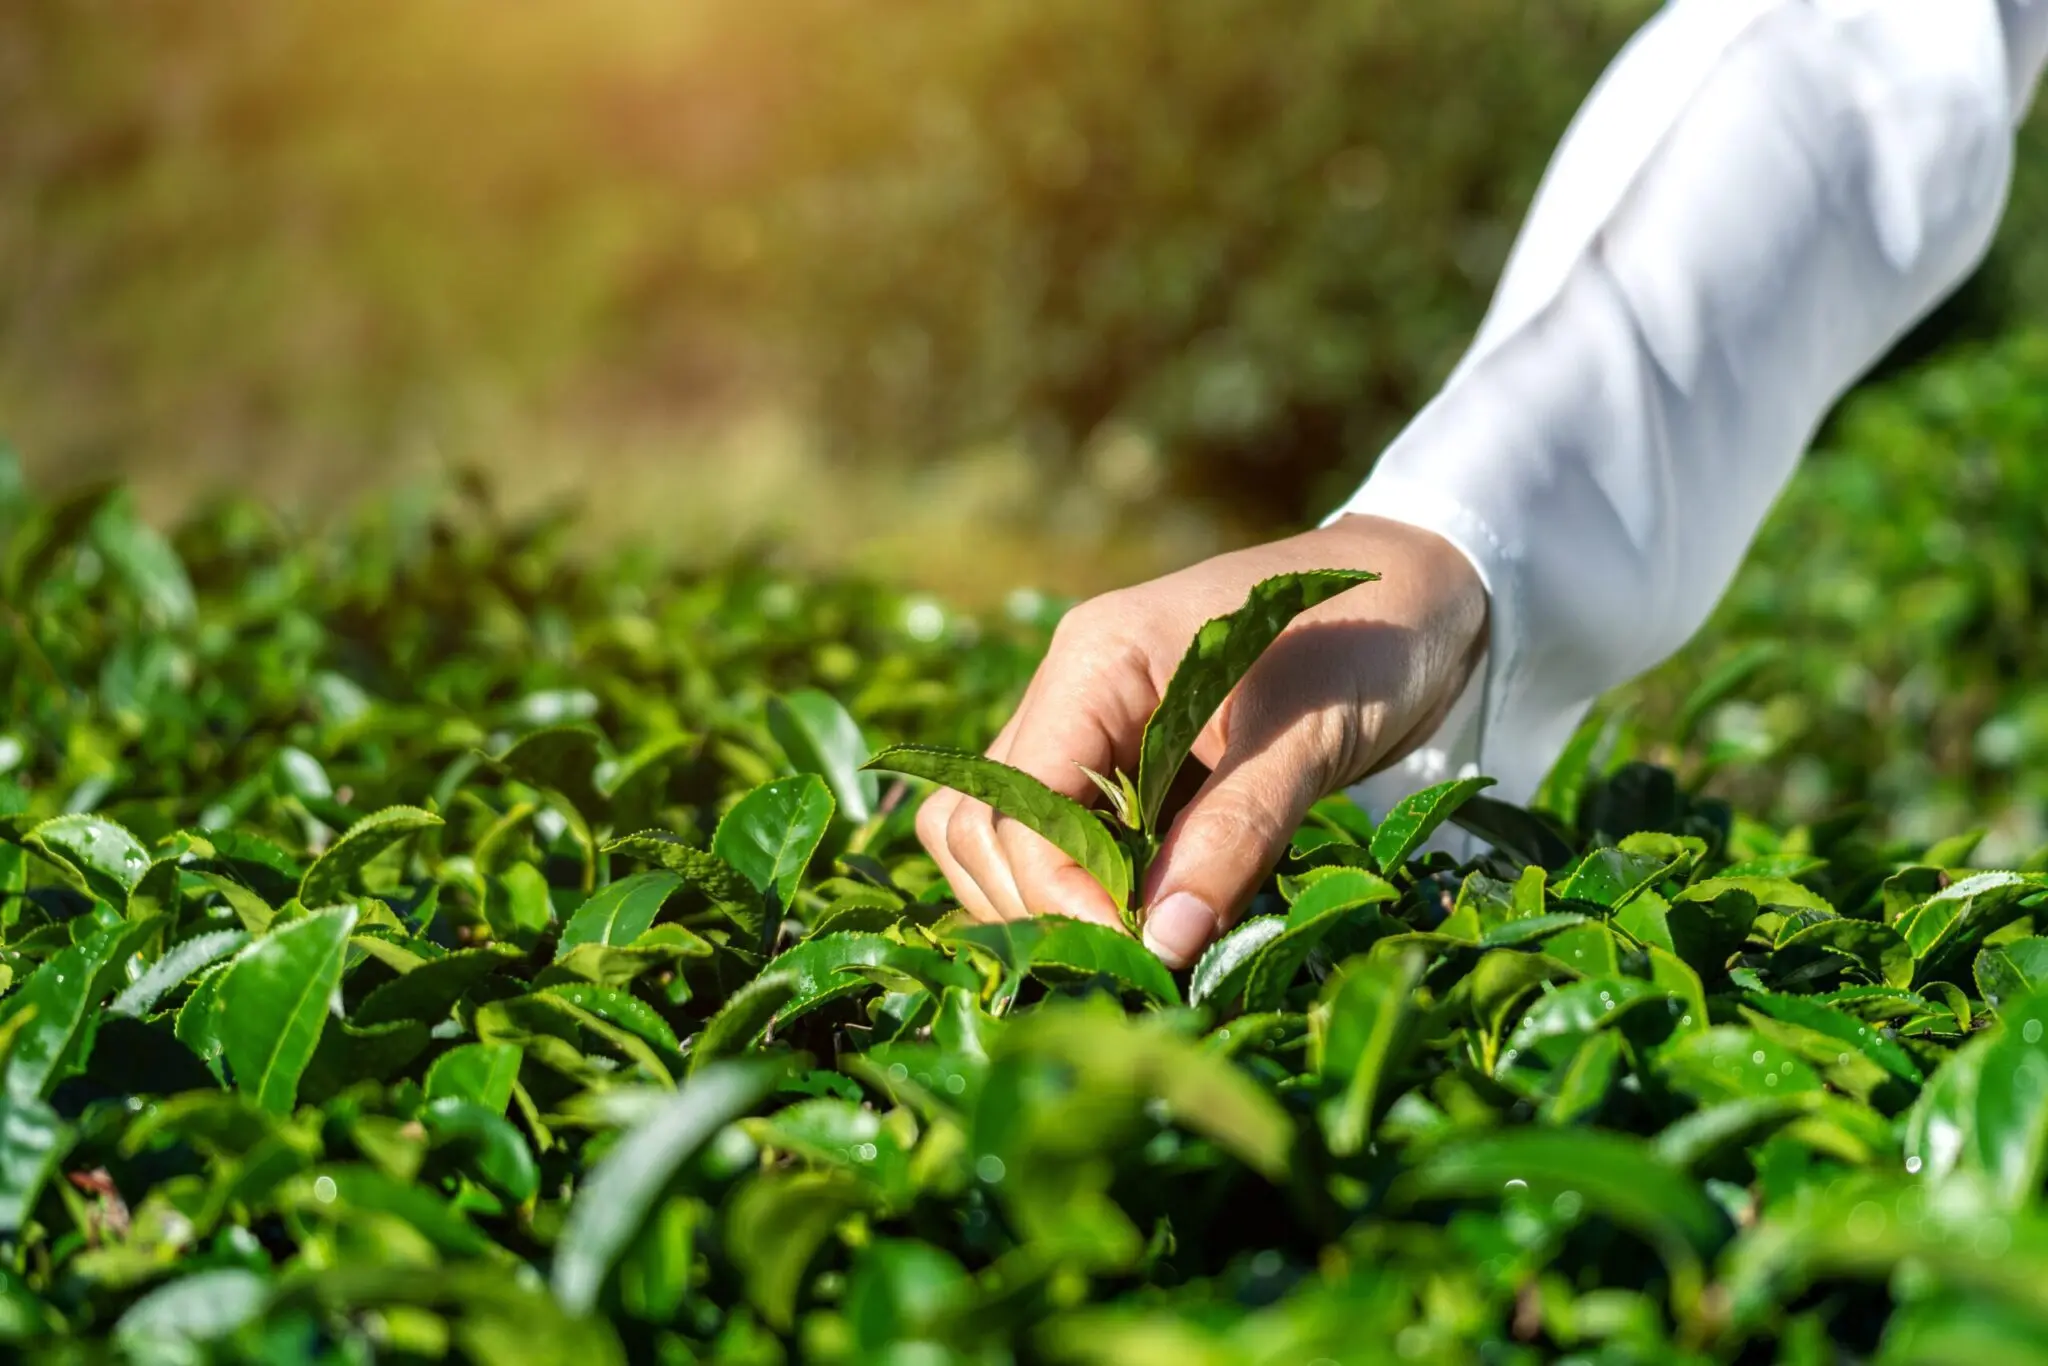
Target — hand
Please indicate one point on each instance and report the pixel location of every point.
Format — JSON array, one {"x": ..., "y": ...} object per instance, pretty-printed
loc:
[{"x": 1350, "y": 687}]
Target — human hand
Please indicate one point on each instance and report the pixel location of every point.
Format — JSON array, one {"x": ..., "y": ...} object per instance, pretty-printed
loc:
[{"x": 1350, "y": 687}]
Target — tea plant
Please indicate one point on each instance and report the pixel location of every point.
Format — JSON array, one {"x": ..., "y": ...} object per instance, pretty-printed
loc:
[{"x": 417, "y": 945}]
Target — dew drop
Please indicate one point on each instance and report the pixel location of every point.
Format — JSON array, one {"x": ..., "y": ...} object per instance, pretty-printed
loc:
[
  {"x": 989, "y": 1168},
  {"x": 2031, "y": 1031},
  {"x": 1516, "y": 1183},
  {"x": 323, "y": 1189},
  {"x": 1913, "y": 1164},
  {"x": 1771, "y": 1079},
  {"x": 1757, "y": 1057}
]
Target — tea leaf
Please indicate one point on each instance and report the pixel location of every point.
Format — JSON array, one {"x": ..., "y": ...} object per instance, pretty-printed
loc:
[
  {"x": 1222, "y": 652},
  {"x": 272, "y": 1003},
  {"x": 1068, "y": 826}
]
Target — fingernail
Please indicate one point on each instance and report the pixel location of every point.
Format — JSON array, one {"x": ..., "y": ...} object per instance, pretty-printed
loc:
[{"x": 1179, "y": 928}]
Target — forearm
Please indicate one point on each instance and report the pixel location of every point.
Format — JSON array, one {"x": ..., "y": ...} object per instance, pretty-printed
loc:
[{"x": 1756, "y": 202}]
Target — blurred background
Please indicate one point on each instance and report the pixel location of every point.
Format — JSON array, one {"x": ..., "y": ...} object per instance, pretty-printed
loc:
[{"x": 972, "y": 295}]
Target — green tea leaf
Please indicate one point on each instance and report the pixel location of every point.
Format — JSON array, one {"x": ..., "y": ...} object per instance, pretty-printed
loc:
[
  {"x": 1415, "y": 818},
  {"x": 1221, "y": 653},
  {"x": 1986, "y": 1112},
  {"x": 484, "y": 1144},
  {"x": 1314, "y": 915},
  {"x": 430, "y": 991},
  {"x": 773, "y": 831},
  {"x": 170, "y": 971},
  {"x": 330, "y": 877},
  {"x": 707, "y": 873},
  {"x": 1359, "y": 1031},
  {"x": 273, "y": 1003},
  {"x": 1070, "y": 827},
  {"x": 1876, "y": 948},
  {"x": 776, "y": 1225},
  {"x": 176, "y": 1319},
  {"x": 1221, "y": 972},
  {"x": 1084, "y": 949},
  {"x": 481, "y": 1073},
  {"x": 744, "y": 1015},
  {"x": 620, "y": 912},
  {"x": 616, "y": 1199},
  {"x": 32, "y": 1142},
  {"x": 1611, "y": 1175},
  {"x": 818, "y": 736},
  {"x": 101, "y": 857}
]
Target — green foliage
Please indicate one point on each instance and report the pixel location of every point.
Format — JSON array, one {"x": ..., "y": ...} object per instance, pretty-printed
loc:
[
  {"x": 1882, "y": 632},
  {"x": 457, "y": 951}
]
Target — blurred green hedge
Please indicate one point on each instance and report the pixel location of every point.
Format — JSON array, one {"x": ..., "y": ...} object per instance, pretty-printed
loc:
[
  {"x": 257, "y": 234},
  {"x": 1883, "y": 643}
]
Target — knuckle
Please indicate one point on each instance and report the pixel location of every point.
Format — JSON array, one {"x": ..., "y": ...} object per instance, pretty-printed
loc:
[{"x": 1236, "y": 818}]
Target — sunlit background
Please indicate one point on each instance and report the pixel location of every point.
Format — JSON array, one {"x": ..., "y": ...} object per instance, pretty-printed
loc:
[{"x": 972, "y": 295}]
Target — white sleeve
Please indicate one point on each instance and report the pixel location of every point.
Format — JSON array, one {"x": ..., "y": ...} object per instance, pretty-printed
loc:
[{"x": 1756, "y": 201}]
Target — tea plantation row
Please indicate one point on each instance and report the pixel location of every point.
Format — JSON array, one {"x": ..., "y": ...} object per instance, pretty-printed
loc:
[{"x": 419, "y": 944}]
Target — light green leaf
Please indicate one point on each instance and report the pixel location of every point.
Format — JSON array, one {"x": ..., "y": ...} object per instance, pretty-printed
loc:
[
  {"x": 1221, "y": 973},
  {"x": 273, "y": 1003},
  {"x": 819, "y": 736},
  {"x": 1415, "y": 818},
  {"x": 1611, "y": 1175},
  {"x": 1085, "y": 949},
  {"x": 775, "y": 1226},
  {"x": 329, "y": 879},
  {"x": 1986, "y": 1111},
  {"x": 614, "y": 1202},
  {"x": 100, "y": 857},
  {"x": 1069, "y": 826},
  {"x": 190, "y": 1311},
  {"x": 171, "y": 970},
  {"x": 32, "y": 1141},
  {"x": 1359, "y": 1031},
  {"x": 1223, "y": 650},
  {"x": 773, "y": 831},
  {"x": 479, "y": 1072},
  {"x": 619, "y": 913},
  {"x": 1866, "y": 1039}
]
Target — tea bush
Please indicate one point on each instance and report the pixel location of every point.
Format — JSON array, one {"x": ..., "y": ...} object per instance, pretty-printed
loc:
[{"x": 417, "y": 944}]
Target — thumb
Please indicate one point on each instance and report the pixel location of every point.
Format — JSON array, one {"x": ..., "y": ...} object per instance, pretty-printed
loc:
[{"x": 1224, "y": 843}]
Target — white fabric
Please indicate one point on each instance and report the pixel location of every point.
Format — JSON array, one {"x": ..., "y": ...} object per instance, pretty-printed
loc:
[{"x": 1756, "y": 201}]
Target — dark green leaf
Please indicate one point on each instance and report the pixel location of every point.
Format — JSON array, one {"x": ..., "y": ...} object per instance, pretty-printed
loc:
[{"x": 429, "y": 991}]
